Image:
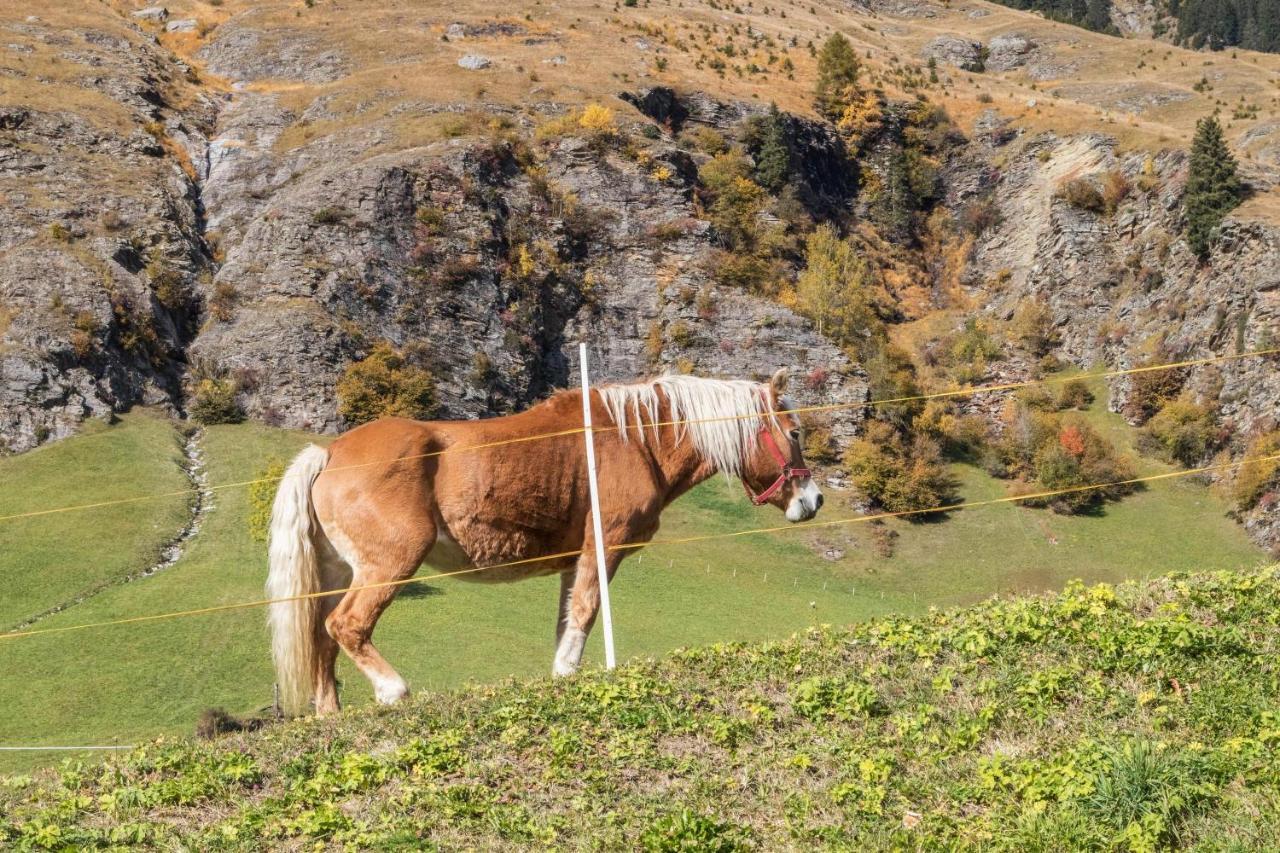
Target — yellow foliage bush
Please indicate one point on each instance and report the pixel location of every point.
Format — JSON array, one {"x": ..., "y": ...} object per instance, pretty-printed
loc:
[
  {"x": 385, "y": 385},
  {"x": 598, "y": 119},
  {"x": 1252, "y": 481}
]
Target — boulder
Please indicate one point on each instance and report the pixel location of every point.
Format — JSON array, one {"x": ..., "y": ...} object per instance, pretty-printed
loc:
[
  {"x": 474, "y": 62},
  {"x": 956, "y": 51},
  {"x": 155, "y": 14},
  {"x": 1008, "y": 51}
]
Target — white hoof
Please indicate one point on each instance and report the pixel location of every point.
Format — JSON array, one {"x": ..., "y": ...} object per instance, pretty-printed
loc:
[
  {"x": 562, "y": 668},
  {"x": 389, "y": 691}
]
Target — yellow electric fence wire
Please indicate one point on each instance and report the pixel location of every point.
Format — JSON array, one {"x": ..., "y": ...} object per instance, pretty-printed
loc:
[
  {"x": 958, "y": 392},
  {"x": 632, "y": 546}
]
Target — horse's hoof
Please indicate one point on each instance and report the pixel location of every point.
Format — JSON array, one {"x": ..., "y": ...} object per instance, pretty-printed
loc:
[{"x": 389, "y": 691}]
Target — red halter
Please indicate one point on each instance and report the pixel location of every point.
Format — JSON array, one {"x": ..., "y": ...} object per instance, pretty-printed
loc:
[{"x": 788, "y": 472}]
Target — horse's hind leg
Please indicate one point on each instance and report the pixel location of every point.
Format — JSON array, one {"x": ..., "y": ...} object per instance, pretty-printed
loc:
[
  {"x": 334, "y": 574},
  {"x": 351, "y": 622}
]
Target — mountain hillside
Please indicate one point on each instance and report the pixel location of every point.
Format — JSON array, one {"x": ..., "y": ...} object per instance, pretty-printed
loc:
[
  {"x": 228, "y": 208},
  {"x": 1137, "y": 718}
]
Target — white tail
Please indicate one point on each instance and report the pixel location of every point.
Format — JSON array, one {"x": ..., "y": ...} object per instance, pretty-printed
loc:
[{"x": 294, "y": 572}]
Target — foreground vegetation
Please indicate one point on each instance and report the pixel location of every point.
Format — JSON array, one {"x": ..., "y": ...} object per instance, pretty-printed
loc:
[{"x": 1137, "y": 718}]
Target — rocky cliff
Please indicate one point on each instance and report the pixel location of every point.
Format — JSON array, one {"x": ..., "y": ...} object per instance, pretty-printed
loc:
[
  {"x": 293, "y": 193},
  {"x": 222, "y": 239},
  {"x": 1122, "y": 287}
]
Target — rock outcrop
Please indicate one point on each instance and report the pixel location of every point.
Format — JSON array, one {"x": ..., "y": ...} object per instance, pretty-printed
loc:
[{"x": 100, "y": 242}]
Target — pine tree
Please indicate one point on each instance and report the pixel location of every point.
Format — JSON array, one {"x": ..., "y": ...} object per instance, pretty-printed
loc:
[
  {"x": 1213, "y": 188},
  {"x": 838, "y": 69},
  {"x": 773, "y": 159}
]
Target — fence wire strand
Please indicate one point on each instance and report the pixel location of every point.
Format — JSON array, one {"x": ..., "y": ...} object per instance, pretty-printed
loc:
[
  {"x": 631, "y": 546},
  {"x": 832, "y": 407}
]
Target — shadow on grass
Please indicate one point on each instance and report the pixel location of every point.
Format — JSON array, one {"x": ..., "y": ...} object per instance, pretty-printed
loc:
[{"x": 419, "y": 590}]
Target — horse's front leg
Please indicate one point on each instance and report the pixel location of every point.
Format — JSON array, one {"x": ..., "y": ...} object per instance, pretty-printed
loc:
[{"x": 579, "y": 604}]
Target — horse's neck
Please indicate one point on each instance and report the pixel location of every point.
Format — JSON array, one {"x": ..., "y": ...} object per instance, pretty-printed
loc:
[{"x": 682, "y": 466}]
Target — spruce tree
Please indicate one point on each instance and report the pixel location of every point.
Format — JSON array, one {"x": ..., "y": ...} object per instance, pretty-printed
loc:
[
  {"x": 838, "y": 69},
  {"x": 1213, "y": 188},
  {"x": 773, "y": 159}
]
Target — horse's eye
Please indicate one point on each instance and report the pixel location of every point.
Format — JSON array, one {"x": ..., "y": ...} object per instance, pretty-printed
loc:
[{"x": 795, "y": 436}]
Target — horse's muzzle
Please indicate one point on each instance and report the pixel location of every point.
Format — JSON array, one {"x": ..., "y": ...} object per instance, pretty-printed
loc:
[{"x": 805, "y": 503}]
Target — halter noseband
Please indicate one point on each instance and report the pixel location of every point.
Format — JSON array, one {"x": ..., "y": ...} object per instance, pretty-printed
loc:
[{"x": 788, "y": 472}]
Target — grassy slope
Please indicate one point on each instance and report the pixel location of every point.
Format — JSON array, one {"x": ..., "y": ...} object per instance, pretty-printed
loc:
[
  {"x": 130, "y": 683},
  {"x": 1138, "y": 718},
  {"x": 1143, "y": 92},
  {"x": 49, "y": 560}
]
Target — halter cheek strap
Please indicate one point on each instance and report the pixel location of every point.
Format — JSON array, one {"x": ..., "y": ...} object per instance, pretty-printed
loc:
[{"x": 788, "y": 472}]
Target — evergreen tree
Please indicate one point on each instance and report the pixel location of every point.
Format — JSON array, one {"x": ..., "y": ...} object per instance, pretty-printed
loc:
[
  {"x": 773, "y": 158},
  {"x": 1213, "y": 188},
  {"x": 838, "y": 69}
]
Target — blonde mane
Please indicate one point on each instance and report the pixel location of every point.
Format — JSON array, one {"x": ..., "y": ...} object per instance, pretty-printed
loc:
[{"x": 722, "y": 415}]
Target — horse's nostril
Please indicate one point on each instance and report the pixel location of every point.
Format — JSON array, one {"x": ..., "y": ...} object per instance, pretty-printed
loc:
[{"x": 818, "y": 503}]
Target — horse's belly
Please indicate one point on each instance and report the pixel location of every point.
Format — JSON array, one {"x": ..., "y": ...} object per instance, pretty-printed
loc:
[{"x": 448, "y": 556}]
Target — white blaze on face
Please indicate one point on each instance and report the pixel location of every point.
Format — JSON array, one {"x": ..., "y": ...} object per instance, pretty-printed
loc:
[{"x": 804, "y": 501}]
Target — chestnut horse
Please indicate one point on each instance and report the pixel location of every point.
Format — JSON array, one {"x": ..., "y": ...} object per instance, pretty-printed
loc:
[{"x": 349, "y": 516}]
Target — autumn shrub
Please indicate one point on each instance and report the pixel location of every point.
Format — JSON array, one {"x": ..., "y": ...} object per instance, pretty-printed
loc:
[
  {"x": 84, "y": 333},
  {"x": 1074, "y": 394},
  {"x": 1182, "y": 431},
  {"x": 1082, "y": 194},
  {"x": 735, "y": 211},
  {"x": 598, "y": 123},
  {"x": 892, "y": 376},
  {"x": 1255, "y": 479},
  {"x": 819, "y": 443},
  {"x": 899, "y": 474},
  {"x": 705, "y": 139},
  {"x": 1115, "y": 189},
  {"x": 1032, "y": 326},
  {"x": 222, "y": 304},
  {"x": 214, "y": 402},
  {"x": 971, "y": 350},
  {"x": 836, "y": 290},
  {"x": 1046, "y": 452},
  {"x": 744, "y": 271},
  {"x": 960, "y": 436},
  {"x": 167, "y": 283},
  {"x": 385, "y": 384},
  {"x": 1151, "y": 389},
  {"x": 979, "y": 216}
]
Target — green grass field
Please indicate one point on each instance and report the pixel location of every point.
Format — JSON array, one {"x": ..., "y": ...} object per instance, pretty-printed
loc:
[{"x": 124, "y": 684}]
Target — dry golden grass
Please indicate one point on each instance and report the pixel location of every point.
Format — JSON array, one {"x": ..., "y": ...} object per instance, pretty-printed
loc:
[{"x": 401, "y": 59}]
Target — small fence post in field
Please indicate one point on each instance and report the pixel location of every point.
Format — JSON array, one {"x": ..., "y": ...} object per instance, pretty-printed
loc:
[{"x": 605, "y": 610}]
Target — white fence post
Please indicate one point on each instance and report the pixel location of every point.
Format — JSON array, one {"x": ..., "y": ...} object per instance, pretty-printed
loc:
[{"x": 605, "y": 611}]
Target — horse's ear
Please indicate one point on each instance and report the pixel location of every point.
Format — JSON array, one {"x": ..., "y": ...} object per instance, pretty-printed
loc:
[{"x": 779, "y": 382}]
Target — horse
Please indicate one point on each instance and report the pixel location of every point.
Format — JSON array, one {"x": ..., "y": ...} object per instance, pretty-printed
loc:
[{"x": 361, "y": 516}]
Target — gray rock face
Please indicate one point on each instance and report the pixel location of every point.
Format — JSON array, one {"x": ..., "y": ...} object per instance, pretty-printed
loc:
[
  {"x": 956, "y": 51},
  {"x": 474, "y": 62},
  {"x": 99, "y": 246},
  {"x": 182, "y": 25},
  {"x": 243, "y": 53},
  {"x": 453, "y": 246},
  {"x": 1119, "y": 286},
  {"x": 155, "y": 14},
  {"x": 1008, "y": 51}
]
